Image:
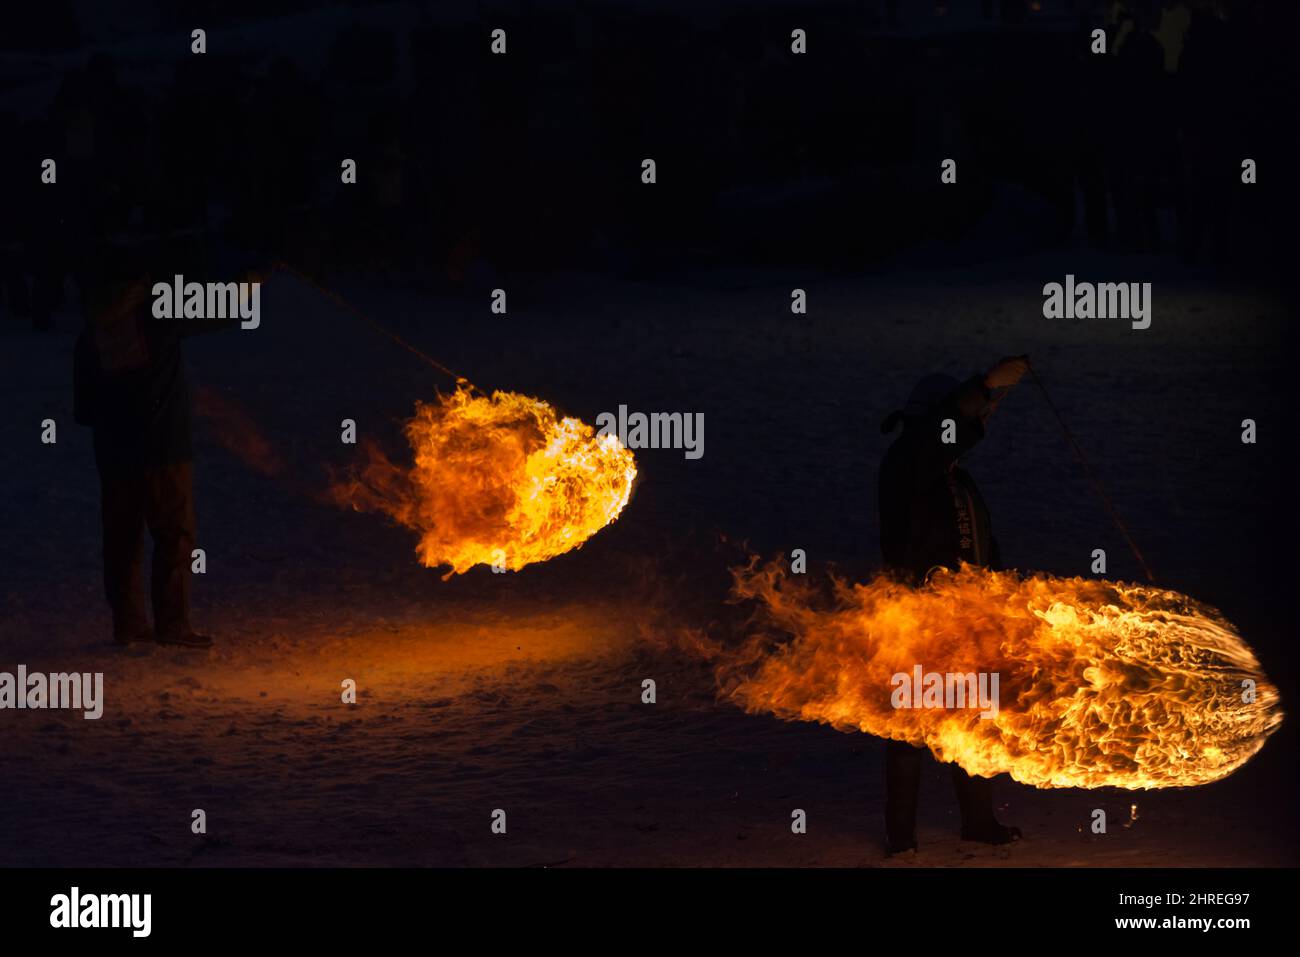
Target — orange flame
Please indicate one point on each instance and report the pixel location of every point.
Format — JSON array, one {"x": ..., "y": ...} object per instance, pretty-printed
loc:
[
  {"x": 1102, "y": 684},
  {"x": 499, "y": 480}
]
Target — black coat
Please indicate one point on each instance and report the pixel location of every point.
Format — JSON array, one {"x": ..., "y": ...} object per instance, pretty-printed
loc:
[
  {"x": 931, "y": 511},
  {"x": 130, "y": 383}
]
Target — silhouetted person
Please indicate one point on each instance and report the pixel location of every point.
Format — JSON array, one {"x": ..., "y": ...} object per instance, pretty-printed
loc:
[
  {"x": 932, "y": 515},
  {"x": 130, "y": 387},
  {"x": 278, "y": 187},
  {"x": 1211, "y": 133},
  {"x": 1092, "y": 79},
  {"x": 15, "y": 189},
  {"x": 1143, "y": 131}
]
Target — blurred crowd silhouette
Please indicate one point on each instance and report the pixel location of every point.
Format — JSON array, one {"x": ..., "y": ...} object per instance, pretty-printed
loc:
[{"x": 472, "y": 165}]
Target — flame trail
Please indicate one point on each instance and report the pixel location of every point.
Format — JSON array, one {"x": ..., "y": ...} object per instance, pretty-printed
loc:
[
  {"x": 1102, "y": 684},
  {"x": 497, "y": 480}
]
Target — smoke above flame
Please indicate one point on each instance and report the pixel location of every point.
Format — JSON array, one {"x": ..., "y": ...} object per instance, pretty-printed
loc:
[
  {"x": 496, "y": 480},
  {"x": 1102, "y": 684}
]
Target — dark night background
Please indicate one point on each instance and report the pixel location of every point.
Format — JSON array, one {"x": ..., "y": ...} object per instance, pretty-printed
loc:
[{"x": 523, "y": 172}]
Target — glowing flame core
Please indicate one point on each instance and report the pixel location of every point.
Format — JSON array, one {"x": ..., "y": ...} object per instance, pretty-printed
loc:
[
  {"x": 497, "y": 480},
  {"x": 1101, "y": 683}
]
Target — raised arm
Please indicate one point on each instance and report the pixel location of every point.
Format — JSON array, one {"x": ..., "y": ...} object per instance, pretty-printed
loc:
[{"x": 969, "y": 407}]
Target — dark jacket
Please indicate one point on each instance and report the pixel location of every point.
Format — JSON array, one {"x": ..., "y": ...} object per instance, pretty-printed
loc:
[
  {"x": 129, "y": 380},
  {"x": 931, "y": 511}
]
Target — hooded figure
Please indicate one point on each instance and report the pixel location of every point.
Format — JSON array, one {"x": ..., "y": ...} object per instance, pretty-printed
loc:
[{"x": 932, "y": 515}]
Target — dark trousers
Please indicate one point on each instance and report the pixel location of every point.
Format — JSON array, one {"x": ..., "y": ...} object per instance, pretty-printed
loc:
[
  {"x": 903, "y": 784},
  {"x": 161, "y": 499}
]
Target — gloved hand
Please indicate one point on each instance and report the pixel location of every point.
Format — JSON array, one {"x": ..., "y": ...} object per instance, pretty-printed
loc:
[{"x": 1007, "y": 372}]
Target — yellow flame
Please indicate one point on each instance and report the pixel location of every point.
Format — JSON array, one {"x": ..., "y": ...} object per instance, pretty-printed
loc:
[
  {"x": 497, "y": 480},
  {"x": 1102, "y": 684}
]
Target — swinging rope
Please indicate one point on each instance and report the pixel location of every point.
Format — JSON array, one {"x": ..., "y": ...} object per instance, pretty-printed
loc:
[
  {"x": 379, "y": 327},
  {"x": 1092, "y": 477},
  {"x": 1069, "y": 436}
]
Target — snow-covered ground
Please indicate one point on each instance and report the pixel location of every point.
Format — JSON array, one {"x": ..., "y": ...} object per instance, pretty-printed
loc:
[{"x": 522, "y": 691}]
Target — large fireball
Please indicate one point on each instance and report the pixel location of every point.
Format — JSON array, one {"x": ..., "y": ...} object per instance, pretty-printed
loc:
[
  {"x": 497, "y": 480},
  {"x": 1102, "y": 684}
]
